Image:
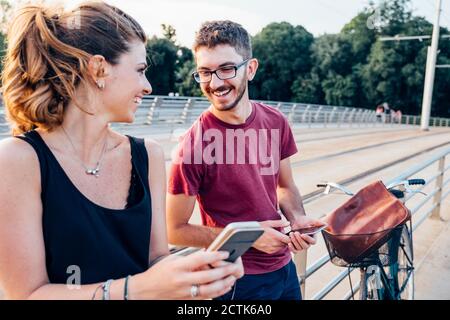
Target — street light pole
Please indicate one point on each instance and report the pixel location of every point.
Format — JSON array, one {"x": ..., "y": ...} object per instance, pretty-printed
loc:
[{"x": 430, "y": 70}]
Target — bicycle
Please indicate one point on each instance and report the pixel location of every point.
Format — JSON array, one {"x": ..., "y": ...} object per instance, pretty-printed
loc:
[{"x": 388, "y": 272}]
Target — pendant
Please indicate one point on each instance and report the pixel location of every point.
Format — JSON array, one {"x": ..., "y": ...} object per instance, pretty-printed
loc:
[{"x": 93, "y": 172}]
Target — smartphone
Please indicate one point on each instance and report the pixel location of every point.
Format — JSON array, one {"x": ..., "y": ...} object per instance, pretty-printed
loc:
[
  {"x": 237, "y": 238},
  {"x": 183, "y": 251},
  {"x": 309, "y": 230}
]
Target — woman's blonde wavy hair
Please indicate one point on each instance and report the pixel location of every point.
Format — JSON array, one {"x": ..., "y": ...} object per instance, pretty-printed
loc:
[{"x": 48, "y": 50}]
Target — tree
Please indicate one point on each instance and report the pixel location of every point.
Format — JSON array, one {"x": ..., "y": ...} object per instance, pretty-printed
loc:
[
  {"x": 162, "y": 54},
  {"x": 169, "y": 32},
  {"x": 336, "y": 63},
  {"x": 5, "y": 11},
  {"x": 332, "y": 52},
  {"x": 186, "y": 85},
  {"x": 171, "y": 65},
  {"x": 360, "y": 37},
  {"x": 308, "y": 89},
  {"x": 354, "y": 68},
  {"x": 283, "y": 52},
  {"x": 395, "y": 70},
  {"x": 2, "y": 50},
  {"x": 394, "y": 14},
  {"x": 441, "y": 95},
  {"x": 340, "y": 90},
  {"x": 334, "y": 77},
  {"x": 184, "y": 55}
]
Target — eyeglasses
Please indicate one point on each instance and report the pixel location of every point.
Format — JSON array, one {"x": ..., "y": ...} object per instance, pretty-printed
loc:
[{"x": 223, "y": 73}]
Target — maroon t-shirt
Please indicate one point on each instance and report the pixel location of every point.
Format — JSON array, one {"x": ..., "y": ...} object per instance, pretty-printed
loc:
[{"x": 233, "y": 170}]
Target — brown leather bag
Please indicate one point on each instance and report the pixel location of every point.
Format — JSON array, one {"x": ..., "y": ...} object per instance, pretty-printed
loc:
[{"x": 364, "y": 223}]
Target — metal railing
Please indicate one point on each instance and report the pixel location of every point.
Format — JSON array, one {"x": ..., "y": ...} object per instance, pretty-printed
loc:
[
  {"x": 437, "y": 196},
  {"x": 172, "y": 111},
  {"x": 184, "y": 110}
]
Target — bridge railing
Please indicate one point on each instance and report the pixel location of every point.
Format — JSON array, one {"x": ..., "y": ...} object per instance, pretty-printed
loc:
[
  {"x": 184, "y": 110},
  {"x": 174, "y": 111}
]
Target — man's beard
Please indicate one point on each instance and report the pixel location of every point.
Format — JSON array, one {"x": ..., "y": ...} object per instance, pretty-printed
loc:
[{"x": 232, "y": 105}]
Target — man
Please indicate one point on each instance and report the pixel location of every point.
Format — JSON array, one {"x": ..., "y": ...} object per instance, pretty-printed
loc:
[{"x": 235, "y": 161}]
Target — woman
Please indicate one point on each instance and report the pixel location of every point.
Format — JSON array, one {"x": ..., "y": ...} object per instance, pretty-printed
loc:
[{"x": 81, "y": 206}]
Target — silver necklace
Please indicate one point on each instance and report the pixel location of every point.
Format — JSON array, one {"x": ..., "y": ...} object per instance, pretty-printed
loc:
[{"x": 95, "y": 171}]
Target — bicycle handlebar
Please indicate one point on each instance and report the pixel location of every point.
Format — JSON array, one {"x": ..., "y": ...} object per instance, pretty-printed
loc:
[
  {"x": 405, "y": 183},
  {"x": 397, "y": 193},
  {"x": 416, "y": 181}
]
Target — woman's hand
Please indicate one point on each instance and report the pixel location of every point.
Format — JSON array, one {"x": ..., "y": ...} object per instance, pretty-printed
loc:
[{"x": 187, "y": 277}]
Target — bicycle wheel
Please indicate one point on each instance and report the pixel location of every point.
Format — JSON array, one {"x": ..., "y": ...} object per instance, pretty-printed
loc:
[{"x": 402, "y": 271}]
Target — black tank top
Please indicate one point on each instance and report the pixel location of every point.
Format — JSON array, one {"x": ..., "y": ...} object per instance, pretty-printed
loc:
[{"x": 79, "y": 235}]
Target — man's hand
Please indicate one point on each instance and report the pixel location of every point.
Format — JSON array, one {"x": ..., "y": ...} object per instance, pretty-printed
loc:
[
  {"x": 298, "y": 241},
  {"x": 272, "y": 240}
]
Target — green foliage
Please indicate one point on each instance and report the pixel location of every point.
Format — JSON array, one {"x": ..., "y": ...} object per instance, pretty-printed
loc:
[
  {"x": 169, "y": 32},
  {"x": 171, "y": 65},
  {"x": 186, "y": 85},
  {"x": 359, "y": 36},
  {"x": 2, "y": 50},
  {"x": 308, "y": 89},
  {"x": 395, "y": 72},
  {"x": 284, "y": 54},
  {"x": 394, "y": 14},
  {"x": 5, "y": 10},
  {"x": 162, "y": 54},
  {"x": 355, "y": 68},
  {"x": 339, "y": 90}
]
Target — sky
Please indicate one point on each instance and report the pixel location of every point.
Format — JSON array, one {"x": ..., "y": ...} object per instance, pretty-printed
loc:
[{"x": 317, "y": 16}]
